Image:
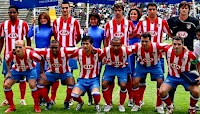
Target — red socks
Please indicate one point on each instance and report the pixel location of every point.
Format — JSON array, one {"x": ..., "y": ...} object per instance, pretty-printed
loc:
[
  {"x": 122, "y": 95},
  {"x": 106, "y": 96},
  {"x": 35, "y": 95},
  {"x": 9, "y": 96},
  {"x": 54, "y": 89},
  {"x": 43, "y": 92},
  {"x": 167, "y": 100},
  {"x": 22, "y": 87},
  {"x": 97, "y": 97},
  {"x": 159, "y": 101},
  {"x": 69, "y": 91},
  {"x": 193, "y": 101}
]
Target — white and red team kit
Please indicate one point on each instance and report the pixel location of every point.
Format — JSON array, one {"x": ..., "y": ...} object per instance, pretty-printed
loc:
[
  {"x": 25, "y": 63},
  {"x": 180, "y": 63},
  {"x": 148, "y": 57},
  {"x": 122, "y": 30},
  {"x": 156, "y": 29},
  {"x": 18, "y": 31},
  {"x": 57, "y": 64},
  {"x": 89, "y": 65},
  {"x": 120, "y": 60},
  {"x": 66, "y": 32}
]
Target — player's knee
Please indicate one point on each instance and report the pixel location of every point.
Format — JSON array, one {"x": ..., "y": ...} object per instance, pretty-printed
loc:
[
  {"x": 32, "y": 85},
  {"x": 162, "y": 92},
  {"x": 195, "y": 92},
  {"x": 6, "y": 86},
  {"x": 104, "y": 84}
]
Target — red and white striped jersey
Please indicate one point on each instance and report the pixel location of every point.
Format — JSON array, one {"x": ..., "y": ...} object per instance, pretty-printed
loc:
[
  {"x": 148, "y": 57},
  {"x": 123, "y": 30},
  {"x": 25, "y": 63},
  {"x": 89, "y": 65},
  {"x": 11, "y": 33},
  {"x": 66, "y": 32},
  {"x": 59, "y": 64},
  {"x": 156, "y": 29},
  {"x": 180, "y": 63},
  {"x": 119, "y": 60}
]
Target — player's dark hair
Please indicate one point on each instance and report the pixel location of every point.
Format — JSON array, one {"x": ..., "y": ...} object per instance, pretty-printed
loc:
[
  {"x": 55, "y": 41},
  {"x": 184, "y": 4},
  {"x": 87, "y": 38},
  {"x": 15, "y": 7},
  {"x": 178, "y": 38},
  {"x": 146, "y": 35},
  {"x": 151, "y": 4},
  {"x": 197, "y": 29},
  {"x": 119, "y": 5},
  {"x": 116, "y": 39},
  {"x": 65, "y": 2}
]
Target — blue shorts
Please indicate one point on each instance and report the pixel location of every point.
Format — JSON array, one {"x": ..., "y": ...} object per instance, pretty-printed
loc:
[
  {"x": 29, "y": 74},
  {"x": 38, "y": 67},
  {"x": 73, "y": 64},
  {"x": 129, "y": 66},
  {"x": 4, "y": 70},
  {"x": 87, "y": 84},
  {"x": 162, "y": 61},
  {"x": 110, "y": 72},
  {"x": 155, "y": 71},
  {"x": 174, "y": 82},
  {"x": 52, "y": 77}
]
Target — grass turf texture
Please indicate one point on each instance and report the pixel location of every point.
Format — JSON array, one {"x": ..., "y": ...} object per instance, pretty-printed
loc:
[{"x": 181, "y": 101}]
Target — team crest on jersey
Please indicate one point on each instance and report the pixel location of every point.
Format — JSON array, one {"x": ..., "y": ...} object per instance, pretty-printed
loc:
[
  {"x": 119, "y": 34},
  {"x": 175, "y": 66},
  {"x": 125, "y": 26},
  {"x": 188, "y": 26},
  {"x": 147, "y": 60},
  {"x": 88, "y": 67},
  {"x": 13, "y": 35},
  {"x": 56, "y": 65},
  {"x": 18, "y": 27},
  {"x": 28, "y": 60},
  {"x": 64, "y": 32},
  {"x": 153, "y": 33},
  {"x": 70, "y": 25},
  {"x": 158, "y": 25},
  {"x": 182, "y": 34}
]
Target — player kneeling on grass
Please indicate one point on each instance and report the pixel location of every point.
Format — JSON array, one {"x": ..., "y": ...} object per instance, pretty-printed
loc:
[
  {"x": 148, "y": 61},
  {"x": 179, "y": 60},
  {"x": 57, "y": 59},
  {"x": 88, "y": 58},
  {"x": 115, "y": 57},
  {"x": 23, "y": 66}
]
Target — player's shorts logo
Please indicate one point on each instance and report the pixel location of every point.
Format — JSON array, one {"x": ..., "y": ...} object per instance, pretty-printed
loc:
[
  {"x": 147, "y": 60},
  {"x": 23, "y": 67},
  {"x": 13, "y": 35},
  {"x": 182, "y": 34},
  {"x": 175, "y": 66},
  {"x": 119, "y": 34},
  {"x": 153, "y": 33},
  {"x": 56, "y": 65},
  {"x": 64, "y": 32},
  {"x": 88, "y": 67}
]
